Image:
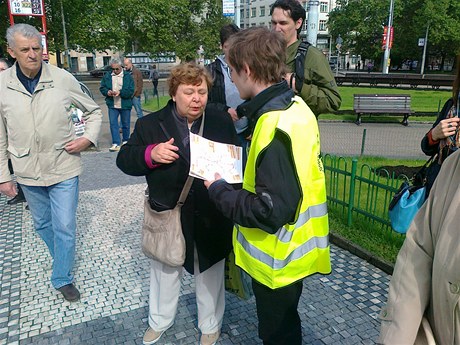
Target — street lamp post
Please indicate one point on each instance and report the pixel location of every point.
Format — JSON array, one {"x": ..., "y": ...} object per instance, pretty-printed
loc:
[
  {"x": 67, "y": 62},
  {"x": 338, "y": 45},
  {"x": 312, "y": 28},
  {"x": 425, "y": 43},
  {"x": 386, "y": 55}
]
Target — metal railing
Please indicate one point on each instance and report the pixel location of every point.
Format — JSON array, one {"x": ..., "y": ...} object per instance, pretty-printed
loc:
[{"x": 360, "y": 191}]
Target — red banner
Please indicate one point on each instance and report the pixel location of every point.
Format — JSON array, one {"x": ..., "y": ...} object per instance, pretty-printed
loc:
[{"x": 385, "y": 34}]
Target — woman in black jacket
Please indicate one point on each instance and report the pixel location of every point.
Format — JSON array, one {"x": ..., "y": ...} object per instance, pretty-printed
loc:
[
  {"x": 444, "y": 137},
  {"x": 159, "y": 149}
]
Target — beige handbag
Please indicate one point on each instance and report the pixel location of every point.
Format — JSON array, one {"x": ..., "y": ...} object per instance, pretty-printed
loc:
[{"x": 162, "y": 237}]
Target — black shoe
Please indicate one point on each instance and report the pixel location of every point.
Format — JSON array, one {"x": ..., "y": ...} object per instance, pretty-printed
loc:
[
  {"x": 70, "y": 292},
  {"x": 16, "y": 200}
]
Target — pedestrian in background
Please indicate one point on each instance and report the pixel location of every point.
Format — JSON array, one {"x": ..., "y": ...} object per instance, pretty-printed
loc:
[
  {"x": 18, "y": 198},
  {"x": 224, "y": 94},
  {"x": 443, "y": 138},
  {"x": 138, "y": 85},
  {"x": 159, "y": 149},
  {"x": 318, "y": 88},
  {"x": 154, "y": 77},
  {"x": 118, "y": 89},
  {"x": 36, "y": 129},
  {"x": 281, "y": 231}
]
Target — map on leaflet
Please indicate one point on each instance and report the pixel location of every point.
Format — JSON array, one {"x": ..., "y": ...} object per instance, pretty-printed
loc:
[{"x": 209, "y": 157}]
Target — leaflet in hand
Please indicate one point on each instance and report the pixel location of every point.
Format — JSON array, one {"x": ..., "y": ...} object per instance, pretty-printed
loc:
[{"x": 209, "y": 157}]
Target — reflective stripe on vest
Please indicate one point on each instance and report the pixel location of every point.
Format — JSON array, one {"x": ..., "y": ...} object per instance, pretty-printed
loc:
[
  {"x": 312, "y": 243},
  {"x": 315, "y": 211}
]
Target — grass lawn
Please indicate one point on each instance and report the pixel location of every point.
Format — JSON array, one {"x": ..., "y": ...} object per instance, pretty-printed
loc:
[
  {"x": 368, "y": 234},
  {"x": 422, "y": 100}
]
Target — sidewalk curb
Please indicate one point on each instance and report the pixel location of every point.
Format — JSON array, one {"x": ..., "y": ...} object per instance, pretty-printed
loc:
[{"x": 354, "y": 249}]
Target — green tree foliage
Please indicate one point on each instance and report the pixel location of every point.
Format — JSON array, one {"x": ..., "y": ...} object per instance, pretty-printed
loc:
[
  {"x": 150, "y": 26},
  {"x": 360, "y": 23}
]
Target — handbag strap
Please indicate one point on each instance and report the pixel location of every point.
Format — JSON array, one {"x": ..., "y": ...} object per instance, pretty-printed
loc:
[{"x": 188, "y": 183}]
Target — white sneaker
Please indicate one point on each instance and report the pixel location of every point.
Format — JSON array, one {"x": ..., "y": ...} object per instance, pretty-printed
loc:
[
  {"x": 124, "y": 142},
  {"x": 114, "y": 148}
]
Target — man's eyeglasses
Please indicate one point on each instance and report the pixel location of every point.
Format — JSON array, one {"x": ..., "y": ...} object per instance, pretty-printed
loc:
[{"x": 116, "y": 68}]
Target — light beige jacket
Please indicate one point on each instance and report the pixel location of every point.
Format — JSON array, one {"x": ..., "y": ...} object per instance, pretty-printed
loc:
[
  {"x": 426, "y": 279},
  {"x": 34, "y": 128}
]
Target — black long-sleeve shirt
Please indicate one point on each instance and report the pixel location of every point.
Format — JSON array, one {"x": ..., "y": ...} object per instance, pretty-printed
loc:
[{"x": 277, "y": 190}]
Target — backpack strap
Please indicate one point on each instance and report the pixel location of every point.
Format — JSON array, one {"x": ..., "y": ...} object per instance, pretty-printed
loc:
[{"x": 299, "y": 65}]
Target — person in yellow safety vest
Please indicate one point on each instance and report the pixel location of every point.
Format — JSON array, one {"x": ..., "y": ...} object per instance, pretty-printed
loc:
[{"x": 280, "y": 214}]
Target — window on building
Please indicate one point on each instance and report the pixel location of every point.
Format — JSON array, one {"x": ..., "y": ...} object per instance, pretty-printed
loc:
[
  {"x": 241, "y": 26},
  {"x": 322, "y": 25},
  {"x": 262, "y": 11},
  {"x": 242, "y": 13},
  {"x": 323, "y": 8},
  {"x": 105, "y": 60},
  {"x": 253, "y": 24},
  {"x": 253, "y": 12},
  {"x": 247, "y": 13}
]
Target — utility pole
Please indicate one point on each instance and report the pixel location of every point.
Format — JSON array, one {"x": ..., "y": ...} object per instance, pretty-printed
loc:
[
  {"x": 425, "y": 43},
  {"x": 67, "y": 62},
  {"x": 312, "y": 22},
  {"x": 386, "y": 55},
  {"x": 237, "y": 13}
]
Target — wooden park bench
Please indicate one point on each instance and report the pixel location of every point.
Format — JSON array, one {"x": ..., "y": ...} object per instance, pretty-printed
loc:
[{"x": 382, "y": 105}]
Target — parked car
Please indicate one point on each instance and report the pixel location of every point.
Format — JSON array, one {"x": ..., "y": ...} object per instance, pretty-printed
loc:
[
  {"x": 99, "y": 72},
  {"x": 145, "y": 72}
]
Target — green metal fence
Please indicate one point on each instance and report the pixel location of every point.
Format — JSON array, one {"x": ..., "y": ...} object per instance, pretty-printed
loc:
[{"x": 360, "y": 191}]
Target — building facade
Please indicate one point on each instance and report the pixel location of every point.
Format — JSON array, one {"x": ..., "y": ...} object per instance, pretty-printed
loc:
[{"x": 257, "y": 13}]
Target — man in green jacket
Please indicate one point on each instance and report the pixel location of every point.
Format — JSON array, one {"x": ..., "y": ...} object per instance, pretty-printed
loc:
[
  {"x": 118, "y": 89},
  {"x": 319, "y": 89}
]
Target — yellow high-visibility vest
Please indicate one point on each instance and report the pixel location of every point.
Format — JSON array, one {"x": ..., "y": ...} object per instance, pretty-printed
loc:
[{"x": 302, "y": 248}]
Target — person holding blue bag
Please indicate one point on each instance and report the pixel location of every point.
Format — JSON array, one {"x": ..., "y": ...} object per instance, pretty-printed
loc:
[
  {"x": 441, "y": 141},
  {"x": 443, "y": 138}
]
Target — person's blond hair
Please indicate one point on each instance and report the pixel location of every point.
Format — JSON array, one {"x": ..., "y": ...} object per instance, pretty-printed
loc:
[{"x": 188, "y": 73}]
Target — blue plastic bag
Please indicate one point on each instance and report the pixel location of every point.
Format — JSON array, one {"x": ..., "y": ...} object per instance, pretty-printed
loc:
[{"x": 404, "y": 206}]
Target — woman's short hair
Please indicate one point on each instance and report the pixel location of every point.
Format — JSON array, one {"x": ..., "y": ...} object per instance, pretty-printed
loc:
[
  {"x": 25, "y": 30},
  {"x": 188, "y": 73},
  {"x": 264, "y": 52},
  {"x": 115, "y": 61}
]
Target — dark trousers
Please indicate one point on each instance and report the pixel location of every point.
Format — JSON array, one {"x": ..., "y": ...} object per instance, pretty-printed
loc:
[
  {"x": 279, "y": 320},
  {"x": 20, "y": 192},
  {"x": 155, "y": 87}
]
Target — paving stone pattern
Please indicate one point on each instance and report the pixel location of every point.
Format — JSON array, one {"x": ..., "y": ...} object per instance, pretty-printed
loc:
[{"x": 113, "y": 276}]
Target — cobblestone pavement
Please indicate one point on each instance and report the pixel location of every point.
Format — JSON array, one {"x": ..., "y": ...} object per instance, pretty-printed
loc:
[{"x": 112, "y": 274}]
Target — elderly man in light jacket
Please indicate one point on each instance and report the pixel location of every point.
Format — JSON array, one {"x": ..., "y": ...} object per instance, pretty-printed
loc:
[
  {"x": 426, "y": 279},
  {"x": 37, "y": 132}
]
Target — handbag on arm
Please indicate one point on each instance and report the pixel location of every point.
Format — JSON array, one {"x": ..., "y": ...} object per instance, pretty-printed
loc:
[
  {"x": 409, "y": 199},
  {"x": 162, "y": 237}
]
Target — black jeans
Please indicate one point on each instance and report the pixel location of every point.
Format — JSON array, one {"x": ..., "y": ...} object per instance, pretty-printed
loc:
[
  {"x": 155, "y": 87},
  {"x": 279, "y": 320}
]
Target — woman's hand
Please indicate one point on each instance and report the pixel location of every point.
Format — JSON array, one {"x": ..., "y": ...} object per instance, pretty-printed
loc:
[
  {"x": 445, "y": 128},
  {"x": 165, "y": 153}
]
